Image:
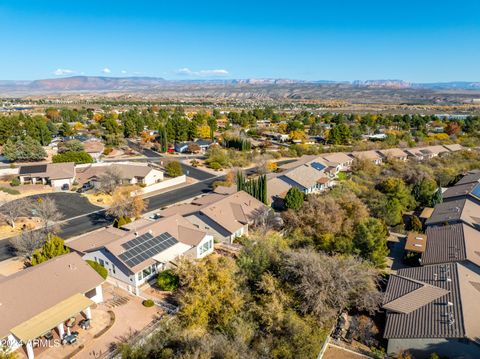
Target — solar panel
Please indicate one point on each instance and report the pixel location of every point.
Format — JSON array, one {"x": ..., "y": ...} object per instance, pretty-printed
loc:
[
  {"x": 476, "y": 191},
  {"x": 318, "y": 166},
  {"x": 145, "y": 246}
]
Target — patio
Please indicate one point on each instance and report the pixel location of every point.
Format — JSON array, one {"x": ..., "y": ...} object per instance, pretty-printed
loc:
[{"x": 52, "y": 348}]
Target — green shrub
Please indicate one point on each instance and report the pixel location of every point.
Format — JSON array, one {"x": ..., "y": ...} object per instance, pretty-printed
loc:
[
  {"x": 215, "y": 166},
  {"x": 294, "y": 198},
  {"x": 148, "y": 303},
  {"x": 98, "y": 268},
  {"x": 77, "y": 157},
  {"x": 15, "y": 182},
  {"x": 167, "y": 280},
  {"x": 9, "y": 190},
  {"x": 174, "y": 169}
]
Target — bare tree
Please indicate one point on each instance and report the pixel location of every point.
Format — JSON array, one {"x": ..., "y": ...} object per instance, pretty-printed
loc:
[
  {"x": 330, "y": 284},
  {"x": 27, "y": 242},
  {"x": 126, "y": 206},
  {"x": 265, "y": 219},
  {"x": 46, "y": 209},
  {"x": 109, "y": 180},
  {"x": 12, "y": 210}
]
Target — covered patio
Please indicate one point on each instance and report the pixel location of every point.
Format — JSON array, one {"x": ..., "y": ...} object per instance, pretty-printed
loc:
[{"x": 37, "y": 333}]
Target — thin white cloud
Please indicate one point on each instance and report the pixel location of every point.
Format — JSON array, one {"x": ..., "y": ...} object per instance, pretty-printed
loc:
[
  {"x": 185, "y": 71},
  {"x": 123, "y": 71},
  {"x": 106, "y": 70},
  {"x": 63, "y": 72}
]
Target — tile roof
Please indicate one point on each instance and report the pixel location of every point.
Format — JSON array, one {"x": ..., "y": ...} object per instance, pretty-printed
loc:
[
  {"x": 393, "y": 152},
  {"x": 367, "y": 155},
  {"x": 454, "y": 147},
  {"x": 304, "y": 175},
  {"x": 112, "y": 239},
  {"x": 473, "y": 176},
  {"x": 31, "y": 291},
  {"x": 51, "y": 171},
  {"x": 416, "y": 242},
  {"x": 337, "y": 157},
  {"x": 462, "y": 210},
  {"x": 452, "y": 243},
  {"x": 126, "y": 171},
  {"x": 446, "y": 311},
  {"x": 461, "y": 190}
]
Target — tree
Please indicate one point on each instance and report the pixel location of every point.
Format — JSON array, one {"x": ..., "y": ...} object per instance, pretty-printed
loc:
[
  {"x": 174, "y": 169},
  {"x": 98, "y": 268},
  {"x": 47, "y": 211},
  {"x": 76, "y": 157},
  {"x": 168, "y": 280},
  {"x": 66, "y": 130},
  {"x": 110, "y": 180},
  {"x": 27, "y": 242},
  {"x": 329, "y": 285},
  {"x": 212, "y": 123},
  {"x": 12, "y": 210},
  {"x": 425, "y": 192},
  {"x": 70, "y": 146},
  {"x": 256, "y": 187},
  {"x": 208, "y": 293},
  {"x": 26, "y": 150},
  {"x": 53, "y": 247},
  {"x": 294, "y": 198},
  {"x": 370, "y": 241},
  {"x": 126, "y": 206},
  {"x": 416, "y": 224}
]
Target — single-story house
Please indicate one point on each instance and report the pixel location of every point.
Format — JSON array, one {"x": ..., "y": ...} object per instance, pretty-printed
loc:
[
  {"x": 395, "y": 153},
  {"x": 42, "y": 298},
  {"x": 372, "y": 156},
  {"x": 225, "y": 217},
  {"x": 137, "y": 252},
  {"x": 341, "y": 158},
  {"x": 182, "y": 147},
  {"x": 54, "y": 174},
  {"x": 308, "y": 178},
  {"x": 452, "y": 243},
  {"x": 470, "y": 190},
  {"x": 131, "y": 173},
  {"x": 472, "y": 176},
  {"x": 433, "y": 309},
  {"x": 455, "y": 211},
  {"x": 94, "y": 147},
  {"x": 454, "y": 147}
]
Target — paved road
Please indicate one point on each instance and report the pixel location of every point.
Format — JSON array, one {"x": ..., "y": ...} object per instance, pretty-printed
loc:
[{"x": 157, "y": 157}]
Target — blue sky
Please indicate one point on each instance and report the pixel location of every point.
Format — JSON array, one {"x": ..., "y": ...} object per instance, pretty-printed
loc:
[{"x": 419, "y": 41}]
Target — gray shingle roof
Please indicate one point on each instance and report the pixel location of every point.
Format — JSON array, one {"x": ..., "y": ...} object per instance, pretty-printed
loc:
[{"x": 459, "y": 190}]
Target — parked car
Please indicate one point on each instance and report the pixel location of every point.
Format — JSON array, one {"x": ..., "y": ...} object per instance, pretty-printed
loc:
[
  {"x": 85, "y": 188},
  {"x": 65, "y": 187}
]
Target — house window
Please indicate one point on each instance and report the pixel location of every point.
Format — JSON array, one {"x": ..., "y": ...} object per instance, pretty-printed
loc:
[
  {"x": 102, "y": 263},
  {"x": 146, "y": 272},
  {"x": 139, "y": 276},
  {"x": 205, "y": 247},
  {"x": 113, "y": 268}
]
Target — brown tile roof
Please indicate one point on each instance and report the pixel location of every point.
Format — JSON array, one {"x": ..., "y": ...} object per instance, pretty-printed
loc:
[
  {"x": 393, "y": 152},
  {"x": 234, "y": 211},
  {"x": 298, "y": 162},
  {"x": 431, "y": 314},
  {"x": 473, "y": 176},
  {"x": 31, "y": 291},
  {"x": 277, "y": 188},
  {"x": 454, "y": 147},
  {"x": 367, "y": 155},
  {"x": 127, "y": 171},
  {"x": 426, "y": 212},
  {"x": 337, "y": 157},
  {"x": 51, "y": 171},
  {"x": 459, "y": 190},
  {"x": 112, "y": 239},
  {"x": 452, "y": 243},
  {"x": 304, "y": 175},
  {"x": 462, "y": 210}
]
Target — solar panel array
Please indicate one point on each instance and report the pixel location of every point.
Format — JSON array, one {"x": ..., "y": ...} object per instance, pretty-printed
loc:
[
  {"x": 318, "y": 166},
  {"x": 144, "y": 247},
  {"x": 476, "y": 191}
]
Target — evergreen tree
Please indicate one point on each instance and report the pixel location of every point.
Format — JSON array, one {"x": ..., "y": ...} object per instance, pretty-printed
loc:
[
  {"x": 53, "y": 247},
  {"x": 294, "y": 198}
]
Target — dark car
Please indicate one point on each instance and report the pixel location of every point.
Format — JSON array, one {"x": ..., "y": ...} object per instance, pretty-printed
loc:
[
  {"x": 85, "y": 188},
  {"x": 65, "y": 187}
]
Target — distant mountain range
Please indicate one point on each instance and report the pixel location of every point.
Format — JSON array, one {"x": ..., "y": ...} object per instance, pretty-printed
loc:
[{"x": 148, "y": 84}]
